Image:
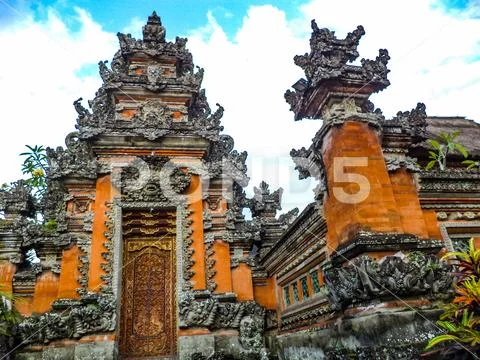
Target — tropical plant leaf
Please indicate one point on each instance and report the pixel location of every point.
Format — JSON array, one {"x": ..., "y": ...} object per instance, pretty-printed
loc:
[
  {"x": 461, "y": 149},
  {"x": 441, "y": 338},
  {"x": 430, "y": 164}
]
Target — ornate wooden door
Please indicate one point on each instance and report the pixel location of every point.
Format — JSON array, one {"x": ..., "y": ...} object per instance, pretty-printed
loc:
[{"x": 148, "y": 324}]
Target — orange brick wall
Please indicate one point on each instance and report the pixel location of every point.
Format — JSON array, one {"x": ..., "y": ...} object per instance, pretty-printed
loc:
[
  {"x": 69, "y": 275},
  {"x": 378, "y": 212},
  {"x": 223, "y": 275},
  {"x": 104, "y": 194},
  {"x": 265, "y": 295},
  {"x": 196, "y": 207},
  {"x": 46, "y": 292},
  {"x": 408, "y": 204},
  {"x": 242, "y": 282}
]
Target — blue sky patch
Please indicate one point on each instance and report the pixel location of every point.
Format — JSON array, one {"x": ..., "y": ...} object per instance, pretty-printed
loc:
[{"x": 179, "y": 17}]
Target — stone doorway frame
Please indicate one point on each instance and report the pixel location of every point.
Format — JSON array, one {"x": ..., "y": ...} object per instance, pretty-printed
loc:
[{"x": 117, "y": 254}]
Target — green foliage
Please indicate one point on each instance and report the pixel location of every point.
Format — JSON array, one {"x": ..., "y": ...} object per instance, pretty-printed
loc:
[
  {"x": 50, "y": 226},
  {"x": 461, "y": 318},
  {"x": 471, "y": 164},
  {"x": 9, "y": 316},
  {"x": 445, "y": 145},
  {"x": 35, "y": 166}
]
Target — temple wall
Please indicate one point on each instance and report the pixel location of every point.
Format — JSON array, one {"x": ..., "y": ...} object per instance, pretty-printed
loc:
[
  {"x": 242, "y": 282},
  {"x": 195, "y": 205},
  {"x": 408, "y": 204},
  {"x": 379, "y": 210},
  {"x": 46, "y": 292},
  {"x": 223, "y": 273},
  {"x": 104, "y": 195},
  {"x": 69, "y": 274}
]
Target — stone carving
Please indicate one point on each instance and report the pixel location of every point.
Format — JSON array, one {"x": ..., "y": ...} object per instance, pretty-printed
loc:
[
  {"x": 180, "y": 180},
  {"x": 187, "y": 250},
  {"x": 201, "y": 115},
  {"x": 251, "y": 333},
  {"x": 345, "y": 110},
  {"x": 236, "y": 261},
  {"x": 264, "y": 203},
  {"x": 53, "y": 204},
  {"x": 271, "y": 319},
  {"x": 223, "y": 161},
  {"x": 376, "y": 70},
  {"x": 152, "y": 120},
  {"x": 457, "y": 215},
  {"x": 92, "y": 314},
  {"x": 207, "y": 219},
  {"x": 414, "y": 121},
  {"x": 305, "y": 166},
  {"x": 80, "y": 109},
  {"x": 365, "y": 279},
  {"x": 209, "y": 312},
  {"x": 77, "y": 160},
  {"x": 394, "y": 163},
  {"x": 105, "y": 73},
  {"x": 17, "y": 200},
  {"x": 154, "y": 179},
  {"x": 29, "y": 231},
  {"x": 84, "y": 244},
  {"x": 310, "y": 163},
  {"x": 450, "y": 180},
  {"x": 289, "y": 217},
  {"x": 305, "y": 318},
  {"x": 328, "y": 55},
  {"x": 107, "y": 255},
  {"x": 210, "y": 263},
  {"x": 328, "y": 61},
  {"x": 154, "y": 31}
]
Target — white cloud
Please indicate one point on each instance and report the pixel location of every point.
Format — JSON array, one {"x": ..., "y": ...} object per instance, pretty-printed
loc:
[
  {"x": 39, "y": 81},
  {"x": 248, "y": 76},
  {"x": 431, "y": 62},
  {"x": 429, "y": 49}
]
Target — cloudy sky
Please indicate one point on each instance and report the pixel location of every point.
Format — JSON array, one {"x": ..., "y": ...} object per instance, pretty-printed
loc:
[{"x": 50, "y": 50}]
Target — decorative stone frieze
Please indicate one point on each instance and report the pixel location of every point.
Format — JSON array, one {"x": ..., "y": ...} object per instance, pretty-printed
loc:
[
  {"x": 77, "y": 160},
  {"x": 451, "y": 180},
  {"x": 200, "y": 310},
  {"x": 364, "y": 279},
  {"x": 395, "y": 163},
  {"x": 327, "y": 68},
  {"x": 93, "y": 313}
]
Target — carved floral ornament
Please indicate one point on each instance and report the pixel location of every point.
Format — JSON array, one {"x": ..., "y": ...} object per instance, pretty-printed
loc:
[
  {"x": 393, "y": 276},
  {"x": 154, "y": 178},
  {"x": 327, "y": 67}
]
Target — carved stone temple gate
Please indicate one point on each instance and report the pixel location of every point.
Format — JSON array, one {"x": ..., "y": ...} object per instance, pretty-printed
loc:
[
  {"x": 147, "y": 253},
  {"x": 151, "y": 255},
  {"x": 148, "y": 306}
]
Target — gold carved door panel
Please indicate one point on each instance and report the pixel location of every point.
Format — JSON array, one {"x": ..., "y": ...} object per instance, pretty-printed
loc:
[{"x": 148, "y": 324}]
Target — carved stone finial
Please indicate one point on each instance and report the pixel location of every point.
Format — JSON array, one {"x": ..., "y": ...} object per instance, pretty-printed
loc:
[
  {"x": 328, "y": 55},
  {"x": 264, "y": 203},
  {"x": 154, "y": 31},
  {"x": 17, "y": 201},
  {"x": 77, "y": 160},
  {"x": 329, "y": 76},
  {"x": 414, "y": 120}
]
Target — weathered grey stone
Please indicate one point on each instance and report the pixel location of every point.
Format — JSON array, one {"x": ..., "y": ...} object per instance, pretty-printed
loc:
[
  {"x": 392, "y": 332},
  {"x": 95, "y": 351},
  {"x": 58, "y": 353},
  {"x": 87, "y": 351},
  {"x": 28, "y": 355},
  {"x": 189, "y": 345}
]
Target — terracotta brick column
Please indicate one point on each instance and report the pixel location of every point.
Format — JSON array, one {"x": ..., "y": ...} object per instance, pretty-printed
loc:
[{"x": 359, "y": 193}]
